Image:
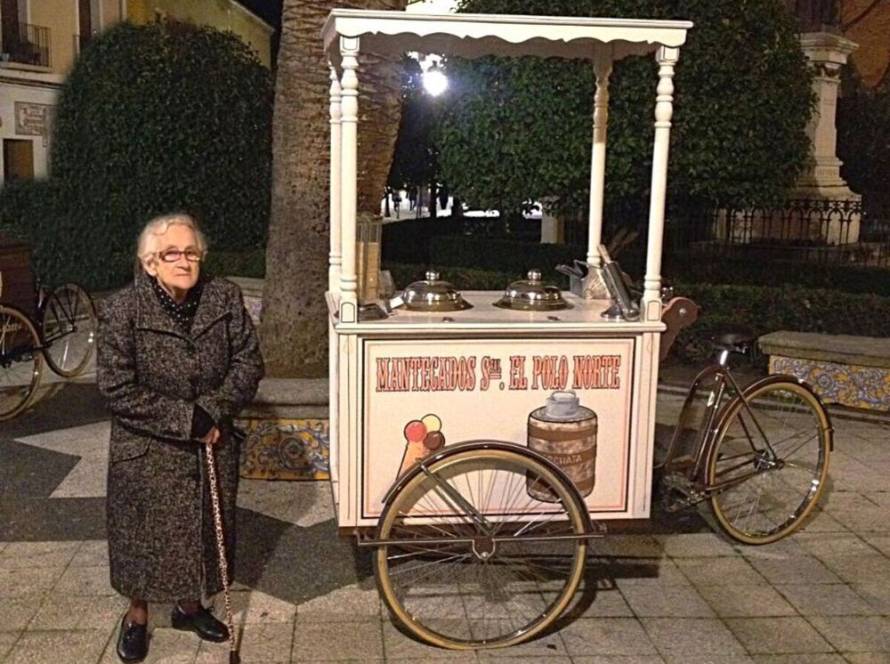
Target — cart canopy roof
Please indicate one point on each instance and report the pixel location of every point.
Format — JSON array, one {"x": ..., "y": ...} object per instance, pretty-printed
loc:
[{"x": 475, "y": 35}]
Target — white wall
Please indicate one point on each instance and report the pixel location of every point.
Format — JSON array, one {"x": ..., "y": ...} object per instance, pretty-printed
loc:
[{"x": 10, "y": 93}]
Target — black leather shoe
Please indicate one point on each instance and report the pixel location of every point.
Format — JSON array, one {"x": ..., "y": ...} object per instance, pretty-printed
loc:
[
  {"x": 132, "y": 643},
  {"x": 201, "y": 622}
]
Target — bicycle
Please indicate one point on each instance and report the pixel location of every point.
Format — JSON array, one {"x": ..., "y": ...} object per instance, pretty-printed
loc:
[
  {"x": 62, "y": 334},
  {"x": 759, "y": 456}
]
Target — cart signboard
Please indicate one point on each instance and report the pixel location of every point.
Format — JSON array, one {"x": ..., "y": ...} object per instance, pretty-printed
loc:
[{"x": 422, "y": 394}]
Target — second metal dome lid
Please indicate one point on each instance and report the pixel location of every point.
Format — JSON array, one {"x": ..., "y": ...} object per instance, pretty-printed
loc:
[{"x": 531, "y": 294}]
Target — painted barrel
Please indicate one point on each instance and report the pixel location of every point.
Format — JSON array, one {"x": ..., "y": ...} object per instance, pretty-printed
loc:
[{"x": 564, "y": 431}]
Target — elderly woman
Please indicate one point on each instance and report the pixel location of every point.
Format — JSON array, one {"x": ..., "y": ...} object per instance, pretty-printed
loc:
[{"x": 177, "y": 359}]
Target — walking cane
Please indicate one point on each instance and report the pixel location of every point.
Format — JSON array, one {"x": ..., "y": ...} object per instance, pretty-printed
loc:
[{"x": 234, "y": 658}]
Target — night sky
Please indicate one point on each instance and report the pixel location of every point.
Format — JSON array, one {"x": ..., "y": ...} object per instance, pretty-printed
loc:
[{"x": 268, "y": 10}]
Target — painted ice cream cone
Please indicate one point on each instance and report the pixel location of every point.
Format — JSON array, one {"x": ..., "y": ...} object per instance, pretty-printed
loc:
[
  {"x": 414, "y": 452},
  {"x": 422, "y": 438}
]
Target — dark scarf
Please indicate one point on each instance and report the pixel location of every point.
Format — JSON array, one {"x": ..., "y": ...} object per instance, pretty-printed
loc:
[{"x": 181, "y": 314}]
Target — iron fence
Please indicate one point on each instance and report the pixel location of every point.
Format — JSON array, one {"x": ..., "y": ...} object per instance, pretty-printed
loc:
[{"x": 807, "y": 230}]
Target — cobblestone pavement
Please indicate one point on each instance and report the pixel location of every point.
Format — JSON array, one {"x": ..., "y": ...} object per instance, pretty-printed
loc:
[{"x": 667, "y": 590}]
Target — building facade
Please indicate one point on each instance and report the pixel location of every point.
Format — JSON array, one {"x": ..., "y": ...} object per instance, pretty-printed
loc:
[{"x": 40, "y": 39}]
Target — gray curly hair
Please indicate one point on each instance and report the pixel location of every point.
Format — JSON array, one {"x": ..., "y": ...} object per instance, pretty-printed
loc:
[{"x": 146, "y": 246}]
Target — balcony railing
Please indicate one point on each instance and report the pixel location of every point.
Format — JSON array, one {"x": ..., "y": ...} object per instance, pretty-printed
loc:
[{"x": 26, "y": 44}]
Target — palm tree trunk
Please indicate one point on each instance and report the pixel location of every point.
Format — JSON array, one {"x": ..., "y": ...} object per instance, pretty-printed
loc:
[{"x": 293, "y": 331}]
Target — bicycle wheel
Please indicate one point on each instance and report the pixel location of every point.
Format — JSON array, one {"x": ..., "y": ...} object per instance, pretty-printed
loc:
[
  {"x": 767, "y": 496},
  {"x": 69, "y": 330},
  {"x": 458, "y": 583},
  {"x": 20, "y": 363}
]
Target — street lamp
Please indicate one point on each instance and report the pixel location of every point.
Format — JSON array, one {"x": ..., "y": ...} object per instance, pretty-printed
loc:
[{"x": 434, "y": 81}]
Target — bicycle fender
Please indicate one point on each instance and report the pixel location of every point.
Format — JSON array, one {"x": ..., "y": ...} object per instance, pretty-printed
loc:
[{"x": 483, "y": 444}]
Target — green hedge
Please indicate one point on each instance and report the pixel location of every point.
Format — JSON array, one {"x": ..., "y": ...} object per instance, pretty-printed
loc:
[
  {"x": 236, "y": 263},
  {"x": 767, "y": 309},
  {"x": 516, "y": 129},
  {"x": 33, "y": 211},
  {"x": 684, "y": 267},
  {"x": 151, "y": 119}
]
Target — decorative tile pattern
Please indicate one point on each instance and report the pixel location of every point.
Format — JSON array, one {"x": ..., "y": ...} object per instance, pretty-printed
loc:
[
  {"x": 285, "y": 449},
  {"x": 847, "y": 384}
]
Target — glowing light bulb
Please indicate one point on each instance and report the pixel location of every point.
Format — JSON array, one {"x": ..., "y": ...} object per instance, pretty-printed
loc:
[{"x": 434, "y": 81}]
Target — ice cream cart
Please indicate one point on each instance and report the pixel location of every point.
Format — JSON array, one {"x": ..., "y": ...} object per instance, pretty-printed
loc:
[{"x": 486, "y": 436}]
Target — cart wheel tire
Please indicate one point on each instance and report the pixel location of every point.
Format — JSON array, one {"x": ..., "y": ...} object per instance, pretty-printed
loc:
[
  {"x": 457, "y": 584},
  {"x": 69, "y": 325},
  {"x": 21, "y": 364},
  {"x": 776, "y": 499}
]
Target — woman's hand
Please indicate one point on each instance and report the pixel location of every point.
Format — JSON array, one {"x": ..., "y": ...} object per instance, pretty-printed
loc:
[{"x": 212, "y": 437}]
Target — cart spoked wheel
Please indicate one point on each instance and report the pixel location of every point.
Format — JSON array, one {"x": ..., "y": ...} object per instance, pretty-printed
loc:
[
  {"x": 481, "y": 547},
  {"x": 20, "y": 362},
  {"x": 69, "y": 330}
]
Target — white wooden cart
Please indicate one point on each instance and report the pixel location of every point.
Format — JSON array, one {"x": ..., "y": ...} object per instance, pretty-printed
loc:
[{"x": 482, "y": 543}]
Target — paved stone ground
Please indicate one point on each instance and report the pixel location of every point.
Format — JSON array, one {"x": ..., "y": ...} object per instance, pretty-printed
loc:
[{"x": 668, "y": 590}]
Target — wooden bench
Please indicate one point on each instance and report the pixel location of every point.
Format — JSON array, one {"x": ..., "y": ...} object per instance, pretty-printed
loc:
[{"x": 849, "y": 370}]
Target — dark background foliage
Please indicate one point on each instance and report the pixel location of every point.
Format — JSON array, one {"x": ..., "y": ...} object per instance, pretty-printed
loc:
[
  {"x": 151, "y": 119},
  {"x": 863, "y": 141},
  {"x": 520, "y": 129}
]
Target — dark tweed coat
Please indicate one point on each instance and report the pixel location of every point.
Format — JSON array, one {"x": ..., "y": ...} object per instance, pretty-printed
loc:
[{"x": 160, "y": 528}]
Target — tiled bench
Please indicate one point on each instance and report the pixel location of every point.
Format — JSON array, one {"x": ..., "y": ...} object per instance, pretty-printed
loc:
[
  {"x": 287, "y": 430},
  {"x": 849, "y": 370}
]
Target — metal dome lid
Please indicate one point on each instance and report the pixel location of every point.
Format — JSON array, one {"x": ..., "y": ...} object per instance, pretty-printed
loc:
[
  {"x": 531, "y": 294},
  {"x": 433, "y": 294}
]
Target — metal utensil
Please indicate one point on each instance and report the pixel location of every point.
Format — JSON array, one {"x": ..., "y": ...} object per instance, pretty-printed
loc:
[
  {"x": 568, "y": 271},
  {"x": 581, "y": 266},
  {"x": 623, "y": 307}
]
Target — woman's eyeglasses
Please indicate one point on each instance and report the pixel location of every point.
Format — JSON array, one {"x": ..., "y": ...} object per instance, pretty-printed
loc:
[{"x": 173, "y": 255}]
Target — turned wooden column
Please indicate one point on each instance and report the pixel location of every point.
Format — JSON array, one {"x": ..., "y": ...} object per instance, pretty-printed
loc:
[
  {"x": 664, "y": 109},
  {"x": 335, "y": 257},
  {"x": 602, "y": 67},
  {"x": 349, "y": 49}
]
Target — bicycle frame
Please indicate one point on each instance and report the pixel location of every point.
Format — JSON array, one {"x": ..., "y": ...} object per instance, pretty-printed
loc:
[
  {"x": 712, "y": 423},
  {"x": 43, "y": 300}
]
